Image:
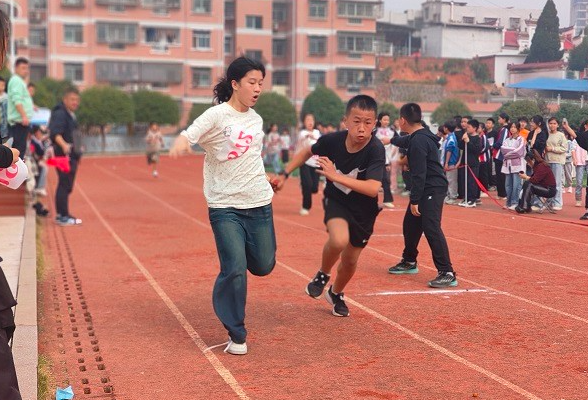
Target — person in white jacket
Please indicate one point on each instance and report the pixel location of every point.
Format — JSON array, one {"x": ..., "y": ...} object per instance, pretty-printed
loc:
[{"x": 513, "y": 153}]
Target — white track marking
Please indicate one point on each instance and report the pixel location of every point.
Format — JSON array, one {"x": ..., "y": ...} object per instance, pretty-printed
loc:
[
  {"x": 214, "y": 361},
  {"x": 431, "y": 291}
]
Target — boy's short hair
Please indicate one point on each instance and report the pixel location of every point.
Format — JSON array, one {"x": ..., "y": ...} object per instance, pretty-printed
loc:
[
  {"x": 412, "y": 113},
  {"x": 31, "y": 85},
  {"x": 491, "y": 120},
  {"x": 363, "y": 102},
  {"x": 450, "y": 125},
  {"x": 474, "y": 123},
  {"x": 20, "y": 60},
  {"x": 70, "y": 90},
  {"x": 504, "y": 116}
]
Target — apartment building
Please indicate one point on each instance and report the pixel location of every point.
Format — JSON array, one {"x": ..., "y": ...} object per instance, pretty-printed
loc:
[
  {"x": 181, "y": 47},
  {"x": 579, "y": 15}
]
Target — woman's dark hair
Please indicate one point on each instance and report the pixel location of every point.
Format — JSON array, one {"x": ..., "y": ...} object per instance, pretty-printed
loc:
[
  {"x": 269, "y": 129},
  {"x": 236, "y": 71},
  {"x": 534, "y": 156},
  {"x": 380, "y": 116},
  {"x": 516, "y": 124},
  {"x": 553, "y": 119},
  {"x": 539, "y": 121}
]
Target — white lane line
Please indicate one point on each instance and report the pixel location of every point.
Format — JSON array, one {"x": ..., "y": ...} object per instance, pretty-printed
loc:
[
  {"x": 401, "y": 328},
  {"x": 495, "y": 250},
  {"x": 428, "y": 342},
  {"x": 214, "y": 361},
  {"x": 431, "y": 291}
]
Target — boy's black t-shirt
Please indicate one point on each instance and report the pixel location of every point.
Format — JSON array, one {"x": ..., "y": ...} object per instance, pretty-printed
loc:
[
  {"x": 474, "y": 149},
  {"x": 367, "y": 163}
]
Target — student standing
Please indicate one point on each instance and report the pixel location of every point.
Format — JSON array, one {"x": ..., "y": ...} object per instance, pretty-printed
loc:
[
  {"x": 309, "y": 179},
  {"x": 429, "y": 188},
  {"x": 471, "y": 141},
  {"x": 513, "y": 153},
  {"x": 353, "y": 163},
  {"x": 154, "y": 142},
  {"x": 20, "y": 106},
  {"x": 451, "y": 161},
  {"x": 237, "y": 191},
  {"x": 555, "y": 155},
  {"x": 385, "y": 134}
]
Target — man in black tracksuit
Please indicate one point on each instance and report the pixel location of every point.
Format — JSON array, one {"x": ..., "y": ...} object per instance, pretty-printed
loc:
[{"x": 429, "y": 188}]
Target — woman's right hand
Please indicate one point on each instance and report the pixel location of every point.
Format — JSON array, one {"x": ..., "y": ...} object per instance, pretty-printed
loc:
[{"x": 180, "y": 147}]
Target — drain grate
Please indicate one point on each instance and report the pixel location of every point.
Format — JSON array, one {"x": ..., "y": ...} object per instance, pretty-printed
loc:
[{"x": 80, "y": 363}]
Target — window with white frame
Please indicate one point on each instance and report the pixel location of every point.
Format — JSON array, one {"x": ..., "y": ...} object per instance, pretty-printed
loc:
[
  {"x": 317, "y": 45},
  {"x": 355, "y": 43},
  {"x": 316, "y": 78},
  {"x": 157, "y": 35},
  {"x": 73, "y": 33},
  {"x": 352, "y": 78},
  {"x": 317, "y": 9},
  {"x": 228, "y": 44},
  {"x": 281, "y": 78},
  {"x": 201, "y": 40},
  {"x": 355, "y": 9},
  {"x": 73, "y": 72},
  {"x": 253, "y": 54},
  {"x": 201, "y": 6},
  {"x": 38, "y": 37},
  {"x": 279, "y": 12},
  {"x": 254, "y": 21},
  {"x": 116, "y": 32},
  {"x": 201, "y": 77}
]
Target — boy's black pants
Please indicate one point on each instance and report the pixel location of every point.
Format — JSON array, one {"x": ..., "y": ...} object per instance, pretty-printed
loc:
[{"x": 429, "y": 223}]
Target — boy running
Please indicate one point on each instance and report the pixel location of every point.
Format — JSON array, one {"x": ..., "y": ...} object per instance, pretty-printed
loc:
[{"x": 353, "y": 163}]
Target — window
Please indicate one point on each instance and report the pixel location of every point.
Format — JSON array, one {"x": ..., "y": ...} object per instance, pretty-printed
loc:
[
  {"x": 253, "y": 54},
  {"x": 279, "y": 12},
  {"x": 165, "y": 4},
  {"x": 253, "y": 21},
  {"x": 161, "y": 36},
  {"x": 515, "y": 23},
  {"x": 72, "y": 3},
  {"x": 229, "y": 10},
  {"x": 355, "y": 43},
  {"x": 317, "y": 45},
  {"x": 350, "y": 9},
  {"x": 73, "y": 72},
  {"x": 317, "y": 9},
  {"x": 201, "y": 39},
  {"x": 354, "y": 78},
  {"x": 118, "y": 3},
  {"x": 116, "y": 33},
  {"x": 281, "y": 78},
  {"x": 201, "y": 77},
  {"x": 73, "y": 33},
  {"x": 468, "y": 20},
  {"x": 316, "y": 78},
  {"x": 117, "y": 71},
  {"x": 279, "y": 47},
  {"x": 37, "y": 37},
  {"x": 201, "y": 6},
  {"x": 228, "y": 45}
]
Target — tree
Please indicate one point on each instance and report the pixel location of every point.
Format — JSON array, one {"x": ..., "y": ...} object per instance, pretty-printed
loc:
[
  {"x": 579, "y": 55},
  {"x": 197, "y": 110},
  {"x": 480, "y": 71},
  {"x": 573, "y": 113},
  {"x": 546, "y": 44},
  {"x": 390, "y": 109},
  {"x": 448, "y": 109},
  {"x": 103, "y": 105},
  {"x": 326, "y": 106},
  {"x": 154, "y": 106},
  {"x": 519, "y": 108},
  {"x": 275, "y": 109},
  {"x": 49, "y": 92}
]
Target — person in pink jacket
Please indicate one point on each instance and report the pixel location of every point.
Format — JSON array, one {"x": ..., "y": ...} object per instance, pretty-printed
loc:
[{"x": 513, "y": 153}]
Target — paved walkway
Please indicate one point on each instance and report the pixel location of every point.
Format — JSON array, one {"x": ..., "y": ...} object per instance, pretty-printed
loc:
[{"x": 18, "y": 250}]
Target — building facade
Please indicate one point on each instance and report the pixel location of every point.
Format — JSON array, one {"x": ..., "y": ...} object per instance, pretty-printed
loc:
[
  {"x": 181, "y": 47},
  {"x": 578, "y": 15}
]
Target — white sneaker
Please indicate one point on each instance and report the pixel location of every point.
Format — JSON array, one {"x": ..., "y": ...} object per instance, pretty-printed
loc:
[
  {"x": 463, "y": 203},
  {"x": 512, "y": 207},
  {"x": 570, "y": 189},
  {"x": 304, "y": 212},
  {"x": 41, "y": 192},
  {"x": 236, "y": 348},
  {"x": 388, "y": 205},
  {"x": 155, "y": 174},
  {"x": 450, "y": 201},
  {"x": 483, "y": 194},
  {"x": 557, "y": 208},
  {"x": 578, "y": 203}
]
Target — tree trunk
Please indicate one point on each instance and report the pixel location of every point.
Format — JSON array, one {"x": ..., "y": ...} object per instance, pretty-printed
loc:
[{"x": 103, "y": 137}]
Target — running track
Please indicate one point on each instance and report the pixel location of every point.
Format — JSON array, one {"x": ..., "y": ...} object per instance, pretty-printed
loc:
[{"x": 127, "y": 312}]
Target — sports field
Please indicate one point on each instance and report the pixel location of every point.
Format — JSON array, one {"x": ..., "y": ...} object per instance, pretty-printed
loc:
[{"x": 127, "y": 310}]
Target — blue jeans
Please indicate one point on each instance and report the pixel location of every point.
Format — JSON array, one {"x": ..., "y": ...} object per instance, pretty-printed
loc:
[
  {"x": 274, "y": 161},
  {"x": 245, "y": 240},
  {"x": 513, "y": 189},
  {"x": 581, "y": 170},
  {"x": 557, "y": 170}
]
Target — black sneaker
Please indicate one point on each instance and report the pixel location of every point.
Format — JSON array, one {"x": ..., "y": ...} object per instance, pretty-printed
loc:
[
  {"x": 336, "y": 300},
  {"x": 443, "y": 280},
  {"x": 404, "y": 267},
  {"x": 584, "y": 217},
  {"x": 315, "y": 288}
]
